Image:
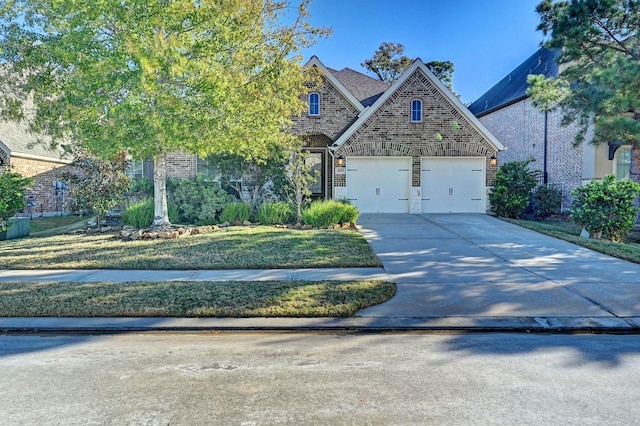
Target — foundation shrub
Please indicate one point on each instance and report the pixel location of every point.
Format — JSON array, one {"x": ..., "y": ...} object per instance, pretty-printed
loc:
[{"x": 329, "y": 212}]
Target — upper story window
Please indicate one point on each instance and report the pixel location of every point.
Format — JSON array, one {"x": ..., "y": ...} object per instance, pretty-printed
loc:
[
  {"x": 416, "y": 111},
  {"x": 314, "y": 104}
]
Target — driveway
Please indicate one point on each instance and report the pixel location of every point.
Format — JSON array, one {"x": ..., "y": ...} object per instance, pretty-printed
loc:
[{"x": 477, "y": 265}]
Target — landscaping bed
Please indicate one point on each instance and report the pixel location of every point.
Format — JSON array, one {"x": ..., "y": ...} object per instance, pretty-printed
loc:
[{"x": 192, "y": 299}]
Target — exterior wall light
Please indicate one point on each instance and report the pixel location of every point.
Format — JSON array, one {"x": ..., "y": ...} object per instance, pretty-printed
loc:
[
  {"x": 493, "y": 160},
  {"x": 340, "y": 162}
]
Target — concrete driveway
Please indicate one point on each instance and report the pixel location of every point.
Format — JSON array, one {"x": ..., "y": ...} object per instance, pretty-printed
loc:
[{"x": 476, "y": 265}]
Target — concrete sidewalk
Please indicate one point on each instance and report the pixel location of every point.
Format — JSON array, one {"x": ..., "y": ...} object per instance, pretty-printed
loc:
[{"x": 455, "y": 272}]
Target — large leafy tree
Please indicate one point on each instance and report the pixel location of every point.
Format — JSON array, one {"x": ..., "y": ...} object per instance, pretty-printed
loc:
[
  {"x": 388, "y": 63},
  {"x": 152, "y": 77},
  {"x": 599, "y": 43}
]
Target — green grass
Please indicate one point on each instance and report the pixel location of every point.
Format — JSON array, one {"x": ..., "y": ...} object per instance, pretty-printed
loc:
[
  {"x": 568, "y": 231},
  {"x": 255, "y": 247},
  {"x": 192, "y": 299},
  {"x": 56, "y": 224}
]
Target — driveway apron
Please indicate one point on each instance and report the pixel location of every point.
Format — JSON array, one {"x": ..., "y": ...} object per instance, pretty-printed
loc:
[{"x": 477, "y": 265}]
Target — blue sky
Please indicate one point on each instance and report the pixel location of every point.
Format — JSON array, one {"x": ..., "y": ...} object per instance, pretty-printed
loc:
[{"x": 485, "y": 39}]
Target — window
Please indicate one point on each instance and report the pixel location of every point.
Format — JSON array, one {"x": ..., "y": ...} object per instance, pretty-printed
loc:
[
  {"x": 135, "y": 169},
  {"x": 206, "y": 168},
  {"x": 416, "y": 111},
  {"x": 314, "y": 160},
  {"x": 623, "y": 163},
  {"x": 314, "y": 104}
]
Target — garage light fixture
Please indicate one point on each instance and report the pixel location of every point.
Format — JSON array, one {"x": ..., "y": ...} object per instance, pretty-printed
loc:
[
  {"x": 493, "y": 160},
  {"x": 340, "y": 162}
]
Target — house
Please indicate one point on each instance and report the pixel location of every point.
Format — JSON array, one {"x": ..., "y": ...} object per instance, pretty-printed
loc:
[
  {"x": 527, "y": 132},
  {"x": 411, "y": 147},
  {"x": 23, "y": 153}
]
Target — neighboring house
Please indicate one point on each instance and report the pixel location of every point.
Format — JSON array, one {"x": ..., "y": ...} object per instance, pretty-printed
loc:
[
  {"x": 411, "y": 147},
  {"x": 21, "y": 152},
  {"x": 527, "y": 132}
]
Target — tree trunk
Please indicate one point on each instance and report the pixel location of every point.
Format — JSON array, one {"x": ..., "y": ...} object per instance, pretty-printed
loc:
[{"x": 160, "y": 211}]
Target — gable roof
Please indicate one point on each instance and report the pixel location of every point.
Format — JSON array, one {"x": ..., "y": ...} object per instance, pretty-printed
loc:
[
  {"x": 314, "y": 61},
  {"x": 513, "y": 87},
  {"x": 365, "y": 88},
  {"x": 419, "y": 65}
]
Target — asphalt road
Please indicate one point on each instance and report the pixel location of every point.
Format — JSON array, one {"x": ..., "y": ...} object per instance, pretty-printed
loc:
[{"x": 263, "y": 379}]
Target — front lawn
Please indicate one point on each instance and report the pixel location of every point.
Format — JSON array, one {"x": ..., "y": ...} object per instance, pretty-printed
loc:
[
  {"x": 192, "y": 299},
  {"x": 253, "y": 247},
  {"x": 568, "y": 231}
]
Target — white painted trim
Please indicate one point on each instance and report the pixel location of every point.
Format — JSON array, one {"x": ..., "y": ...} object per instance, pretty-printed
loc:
[
  {"x": 40, "y": 158},
  {"x": 314, "y": 61},
  {"x": 418, "y": 64}
]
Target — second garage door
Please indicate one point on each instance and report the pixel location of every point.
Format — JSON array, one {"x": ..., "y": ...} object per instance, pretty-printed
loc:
[
  {"x": 453, "y": 185},
  {"x": 379, "y": 184}
]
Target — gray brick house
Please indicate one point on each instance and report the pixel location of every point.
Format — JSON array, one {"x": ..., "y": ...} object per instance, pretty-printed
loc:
[{"x": 527, "y": 132}]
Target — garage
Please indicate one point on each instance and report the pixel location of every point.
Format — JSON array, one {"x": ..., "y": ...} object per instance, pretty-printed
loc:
[
  {"x": 453, "y": 184},
  {"x": 379, "y": 184}
]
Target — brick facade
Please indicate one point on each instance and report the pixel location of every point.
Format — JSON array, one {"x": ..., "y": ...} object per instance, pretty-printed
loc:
[
  {"x": 444, "y": 132},
  {"x": 521, "y": 128},
  {"x": 47, "y": 200},
  {"x": 181, "y": 165}
]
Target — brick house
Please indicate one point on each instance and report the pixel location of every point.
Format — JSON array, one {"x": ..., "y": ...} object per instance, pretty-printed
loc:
[
  {"x": 409, "y": 147},
  {"x": 21, "y": 152},
  {"x": 527, "y": 132}
]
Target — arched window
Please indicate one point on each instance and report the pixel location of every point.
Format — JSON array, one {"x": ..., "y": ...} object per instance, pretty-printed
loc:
[
  {"x": 416, "y": 111},
  {"x": 314, "y": 104}
]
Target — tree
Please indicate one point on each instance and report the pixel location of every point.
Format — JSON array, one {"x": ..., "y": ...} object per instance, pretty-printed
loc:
[
  {"x": 96, "y": 184},
  {"x": 389, "y": 68},
  {"x": 155, "y": 77},
  {"x": 300, "y": 175},
  {"x": 599, "y": 42},
  {"x": 12, "y": 188}
]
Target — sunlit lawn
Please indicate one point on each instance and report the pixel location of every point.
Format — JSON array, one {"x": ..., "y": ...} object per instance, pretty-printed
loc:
[
  {"x": 255, "y": 247},
  {"x": 191, "y": 299}
]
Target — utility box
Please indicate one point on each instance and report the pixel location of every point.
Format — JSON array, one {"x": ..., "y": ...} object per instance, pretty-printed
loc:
[{"x": 17, "y": 227}]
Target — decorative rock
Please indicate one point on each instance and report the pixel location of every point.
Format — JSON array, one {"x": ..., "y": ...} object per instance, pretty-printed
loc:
[
  {"x": 352, "y": 225},
  {"x": 584, "y": 233},
  {"x": 168, "y": 234},
  {"x": 247, "y": 223},
  {"x": 336, "y": 226},
  {"x": 306, "y": 227},
  {"x": 224, "y": 224},
  {"x": 93, "y": 230},
  {"x": 346, "y": 225}
]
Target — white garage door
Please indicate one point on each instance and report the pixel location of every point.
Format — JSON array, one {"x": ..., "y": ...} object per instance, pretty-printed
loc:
[
  {"x": 379, "y": 184},
  {"x": 453, "y": 185}
]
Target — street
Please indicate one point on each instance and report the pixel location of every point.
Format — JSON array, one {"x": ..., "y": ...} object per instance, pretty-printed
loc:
[{"x": 298, "y": 378}]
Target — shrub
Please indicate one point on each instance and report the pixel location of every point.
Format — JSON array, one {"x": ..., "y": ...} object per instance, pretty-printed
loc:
[
  {"x": 512, "y": 190},
  {"x": 140, "y": 215},
  {"x": 236, "y": 211},
  {"x": 199, "y": 201},
  {"x": 275, "y": 213},
  {"x": 12, "y": 189},
  {"x": 327, "y": 213},
  {"x": 547, "y": 200},
  {"x": 605, "y": 208}
]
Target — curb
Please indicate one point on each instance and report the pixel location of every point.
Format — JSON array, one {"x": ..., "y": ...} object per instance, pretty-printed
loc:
[{"x": 629, "y": 325}]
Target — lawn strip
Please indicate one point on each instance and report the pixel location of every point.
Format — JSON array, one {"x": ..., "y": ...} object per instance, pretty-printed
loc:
[
  {"x": 570, "y": 232},
  {"x": 237, "y": 299},
  {"x": 251, "y": 247}
]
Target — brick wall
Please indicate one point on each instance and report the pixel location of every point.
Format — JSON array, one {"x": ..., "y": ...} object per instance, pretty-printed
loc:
[
  {"x": 47, "y": 201},
  {"x": 520, "y": 128},
  {"x": 336, "y": 113},
  {"x": 444, "y": 131},
  {"x": 181, "y": 165}
]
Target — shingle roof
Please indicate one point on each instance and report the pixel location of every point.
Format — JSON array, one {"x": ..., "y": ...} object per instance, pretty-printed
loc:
[
  {"x": 19, "y": 140},
  {"x": 366, "y": 89},
  {"x": 513, "y": 87}
]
